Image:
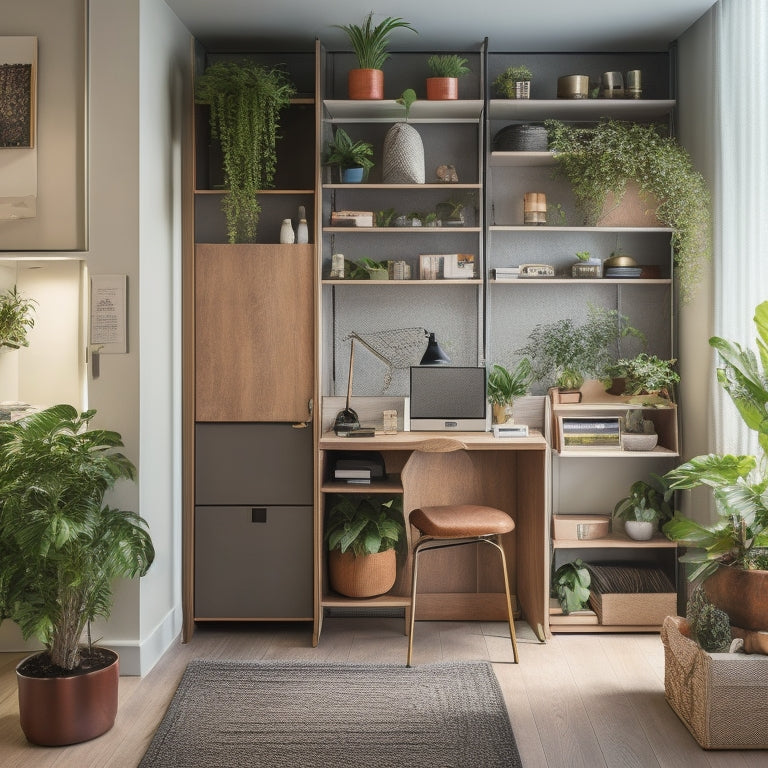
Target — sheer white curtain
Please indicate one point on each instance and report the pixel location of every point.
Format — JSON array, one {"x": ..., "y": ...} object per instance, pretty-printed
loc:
[{"x": 741, "y": 191}]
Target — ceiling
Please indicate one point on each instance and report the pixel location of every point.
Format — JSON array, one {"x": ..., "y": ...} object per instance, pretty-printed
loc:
[{"x": 449, "y": 25}]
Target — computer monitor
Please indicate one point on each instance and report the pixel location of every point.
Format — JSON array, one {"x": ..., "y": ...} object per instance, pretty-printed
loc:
[{"x": 448, "y": 398}]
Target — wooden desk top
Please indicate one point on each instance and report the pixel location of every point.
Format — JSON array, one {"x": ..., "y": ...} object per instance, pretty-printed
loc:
[{"x": 472, "y": 441}]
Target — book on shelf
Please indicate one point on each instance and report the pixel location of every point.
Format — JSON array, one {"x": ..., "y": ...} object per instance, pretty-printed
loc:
[
  {"x": 351, "y": 218},
  {"x": 352, "y": 474},
  {"x": 590, "y": 432}
]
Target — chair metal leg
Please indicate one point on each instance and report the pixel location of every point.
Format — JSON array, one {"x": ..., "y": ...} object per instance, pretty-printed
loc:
[
  {"x": 413, "y": 602},
  {"x": 510, "y": 617}
]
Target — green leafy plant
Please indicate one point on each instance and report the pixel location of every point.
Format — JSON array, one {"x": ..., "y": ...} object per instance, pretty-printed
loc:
[
  {"x": 648, "y": 501},
  {"x": 60, "y": 546},
  {"x": 407, "y": 97},
  {"x": 585, "y": 349},
  {"x": 448, "y": 65},
  {"x": 583, "y": 255},
  {"x": 646, "y": 374},
  {"x": 363, "y": 523},
  {"x": 369, "y": 42},
  {"x": 15, "y": 318},
  {"x": 384, "y": 217},
  {"x": 739, "y": 536},
  {"x": 245, "y": 101},
  {"x": 505, "y": 385},
  {"x": 346, "y": 153},
  {"x": 600, "y": 159},
  {"x": 570, "y": 586},
  {"x": 362, "y": 268},
  {"x": 710, "y": 627},
  {"x": 505, "y": 81}
]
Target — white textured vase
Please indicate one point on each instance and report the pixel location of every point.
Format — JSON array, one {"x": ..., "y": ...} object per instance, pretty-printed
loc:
[
  {"x": 302, "y": 233},
  {"x": 403, "y": 155},
  {"x": 286, "y": 232},
  {"x": 638, "y": 530}
]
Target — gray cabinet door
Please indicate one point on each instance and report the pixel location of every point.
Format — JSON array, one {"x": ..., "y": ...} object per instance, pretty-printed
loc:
[
  {"x": 253, "y": 464},
  {"x": 253, "y": 562}
]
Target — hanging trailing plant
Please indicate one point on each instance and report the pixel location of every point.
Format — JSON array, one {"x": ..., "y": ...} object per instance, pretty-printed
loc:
[
  {"x": 245, "y": 100},
  {"x": 600, "y": 159}
]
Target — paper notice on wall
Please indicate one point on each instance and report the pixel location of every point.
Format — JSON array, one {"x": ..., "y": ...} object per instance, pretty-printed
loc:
[{"x": 109, "y": 313}]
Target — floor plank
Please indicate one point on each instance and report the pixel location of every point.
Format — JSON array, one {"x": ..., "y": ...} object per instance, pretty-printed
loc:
[{"x": 578, "y": 701}]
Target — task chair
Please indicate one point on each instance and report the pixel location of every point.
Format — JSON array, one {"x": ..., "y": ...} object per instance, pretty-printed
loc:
[{"x": 451, "y": 525}]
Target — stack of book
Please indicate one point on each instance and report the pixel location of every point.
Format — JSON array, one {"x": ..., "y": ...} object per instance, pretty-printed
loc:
[
  {"x": 506, "y": 273},
  {"x": 354, "y": 476},
  {"x": 590, "y": 432}
]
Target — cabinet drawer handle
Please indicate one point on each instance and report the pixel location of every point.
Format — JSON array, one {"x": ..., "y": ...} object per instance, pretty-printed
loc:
[{"x": 258, "y": 514}]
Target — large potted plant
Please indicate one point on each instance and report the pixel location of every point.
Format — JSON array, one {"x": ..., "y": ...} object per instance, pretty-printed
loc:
[
  {"x": 362, "y": 532},
  {"x": 731, "y": 555},
  {"x": 16, "y": 319},
  {"x": 600, "y": 160},
  {"x": 564, "y": 352},
  {"x": 504, "y": 385},
  {"x": 245, "y": 101},
  {"x": 370, "y": 43},
  {"x": 445, "y": 71},
  {"x": 60, "y": 549},
  {"x": 643, "y": 374},
  {"x": 354, "y": 159}
]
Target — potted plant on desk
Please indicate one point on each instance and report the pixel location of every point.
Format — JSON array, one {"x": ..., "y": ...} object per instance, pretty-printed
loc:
[
  {"x": 362, "y": 532},
  {"x": 60, "y": 549},
  {"x": 504, "y": 386}
]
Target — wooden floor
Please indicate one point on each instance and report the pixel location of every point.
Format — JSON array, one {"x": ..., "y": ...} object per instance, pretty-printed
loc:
[{"x": 576, "y": 701}]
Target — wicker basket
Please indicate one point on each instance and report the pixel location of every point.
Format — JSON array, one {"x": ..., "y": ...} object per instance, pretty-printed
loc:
[
  {"x": 721, "y": 697},
  {"x": 365, "y": 576},
  {"x": 521, "y": 137}
]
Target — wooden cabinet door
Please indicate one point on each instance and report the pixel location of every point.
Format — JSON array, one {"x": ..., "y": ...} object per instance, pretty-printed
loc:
[{"x": 254, "y": 339}]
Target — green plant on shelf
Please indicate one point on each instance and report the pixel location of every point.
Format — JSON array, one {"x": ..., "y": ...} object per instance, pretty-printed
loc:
[
  {"x": 447, "y": 65},
  {"x": 647, "y": 501},
  {"x": 363, "y": 523},
  {"x": 570, "y": 585},
  {"x": 602, "y": 158},
  {"x": 16, "y": 318},
  {"x": 345, "y": 152},
  {"x": 504, "y": 83},
  {"x": 371, "y": 42}
]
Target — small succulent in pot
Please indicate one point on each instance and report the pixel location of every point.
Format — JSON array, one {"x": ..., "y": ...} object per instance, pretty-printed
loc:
[{"x": 514, "y": 82}]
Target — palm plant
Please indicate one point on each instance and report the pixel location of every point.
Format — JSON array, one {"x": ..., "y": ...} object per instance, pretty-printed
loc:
[
  {"x": 245, "y": 101},
  {"x": 60, "y": 546},
  {"x": 505, "y": 385},
  {"x": 370, "y": 42},
  {"x": 739, "y": 536},
  {"x": 448, "y": 65}
]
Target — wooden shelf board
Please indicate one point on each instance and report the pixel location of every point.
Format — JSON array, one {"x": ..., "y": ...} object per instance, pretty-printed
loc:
[
  {"x": 404, "y": 230},
  {"x": 388, "y": 110},
  {"x": 586, "y": 281},
  {"x": 444, "y": 281},
  {"x": 391, "y": 485},
  {"x": 614, "y": 541},
  {"x": 521, "y": 159},
  {"x": 390, "y": 187},
  {"x": 548, "y": 228},
  {"x": 332, "y": 600},
  {"x": 579, "y": 109},
  {"x": 597, "y": 453},
  {"x": 260, "y": 192}
]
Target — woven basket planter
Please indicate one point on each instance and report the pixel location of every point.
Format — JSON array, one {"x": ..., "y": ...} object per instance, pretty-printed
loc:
[
  {"x": 365, "y": 576},
  {"x": 522, "y": 137},
  {"x": 403, "y": 155}
]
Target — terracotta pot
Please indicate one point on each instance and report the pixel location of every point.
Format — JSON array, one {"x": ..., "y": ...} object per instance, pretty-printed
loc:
[
  {"x": 55, "y": 711},
  {"x": 442, "y": 88},
  {"x": 364, "y": 576},
  {"x": 365, "y": 84},
  {"x": 743, "y": 595}
]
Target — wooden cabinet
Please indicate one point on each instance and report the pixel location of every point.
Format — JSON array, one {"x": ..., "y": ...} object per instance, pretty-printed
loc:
[{"x": 254, "y": 346}]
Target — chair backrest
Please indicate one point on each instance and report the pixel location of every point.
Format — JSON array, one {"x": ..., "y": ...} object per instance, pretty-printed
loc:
[{"x": 441, "y": 445}]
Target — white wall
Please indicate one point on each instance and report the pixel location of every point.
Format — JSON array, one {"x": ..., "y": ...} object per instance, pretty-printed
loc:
[{"x": 139, "y": 68}]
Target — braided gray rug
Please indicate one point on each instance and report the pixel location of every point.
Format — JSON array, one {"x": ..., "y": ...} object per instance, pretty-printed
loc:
[{"x": 315, "y": 715}]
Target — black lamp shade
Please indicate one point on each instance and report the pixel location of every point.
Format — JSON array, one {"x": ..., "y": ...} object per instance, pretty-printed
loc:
[{"x": 434, "y": 355}]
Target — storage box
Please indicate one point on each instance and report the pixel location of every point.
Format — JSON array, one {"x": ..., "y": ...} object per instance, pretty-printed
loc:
[
  {"x": 636, "y": 608},
  {"x": 580, "y": 526},
  {"x": 721, "y": 697}
]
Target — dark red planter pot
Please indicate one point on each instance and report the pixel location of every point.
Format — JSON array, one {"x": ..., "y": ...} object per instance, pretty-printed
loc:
[
  {"x": 743, "y": 595},
  {"x": 55, "y": 711}
]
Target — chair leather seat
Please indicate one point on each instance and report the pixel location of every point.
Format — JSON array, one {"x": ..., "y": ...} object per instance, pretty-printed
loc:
[{"x": 459, "y": 521}]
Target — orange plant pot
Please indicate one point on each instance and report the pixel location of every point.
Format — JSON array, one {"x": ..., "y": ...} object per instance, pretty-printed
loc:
[
  {"x": 442, "y": 88},
  {"x": 364, "y": 84},
  {"x": 365, "y": 576}
]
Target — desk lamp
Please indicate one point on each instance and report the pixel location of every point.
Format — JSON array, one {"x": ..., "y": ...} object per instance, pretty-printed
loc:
[
  {"x": 347, "y": 420},
  {"x": 434, "y": 354}
]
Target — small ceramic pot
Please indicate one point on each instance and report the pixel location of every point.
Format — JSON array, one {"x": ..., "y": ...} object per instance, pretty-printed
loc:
[{"x": 639, "y": 530}]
